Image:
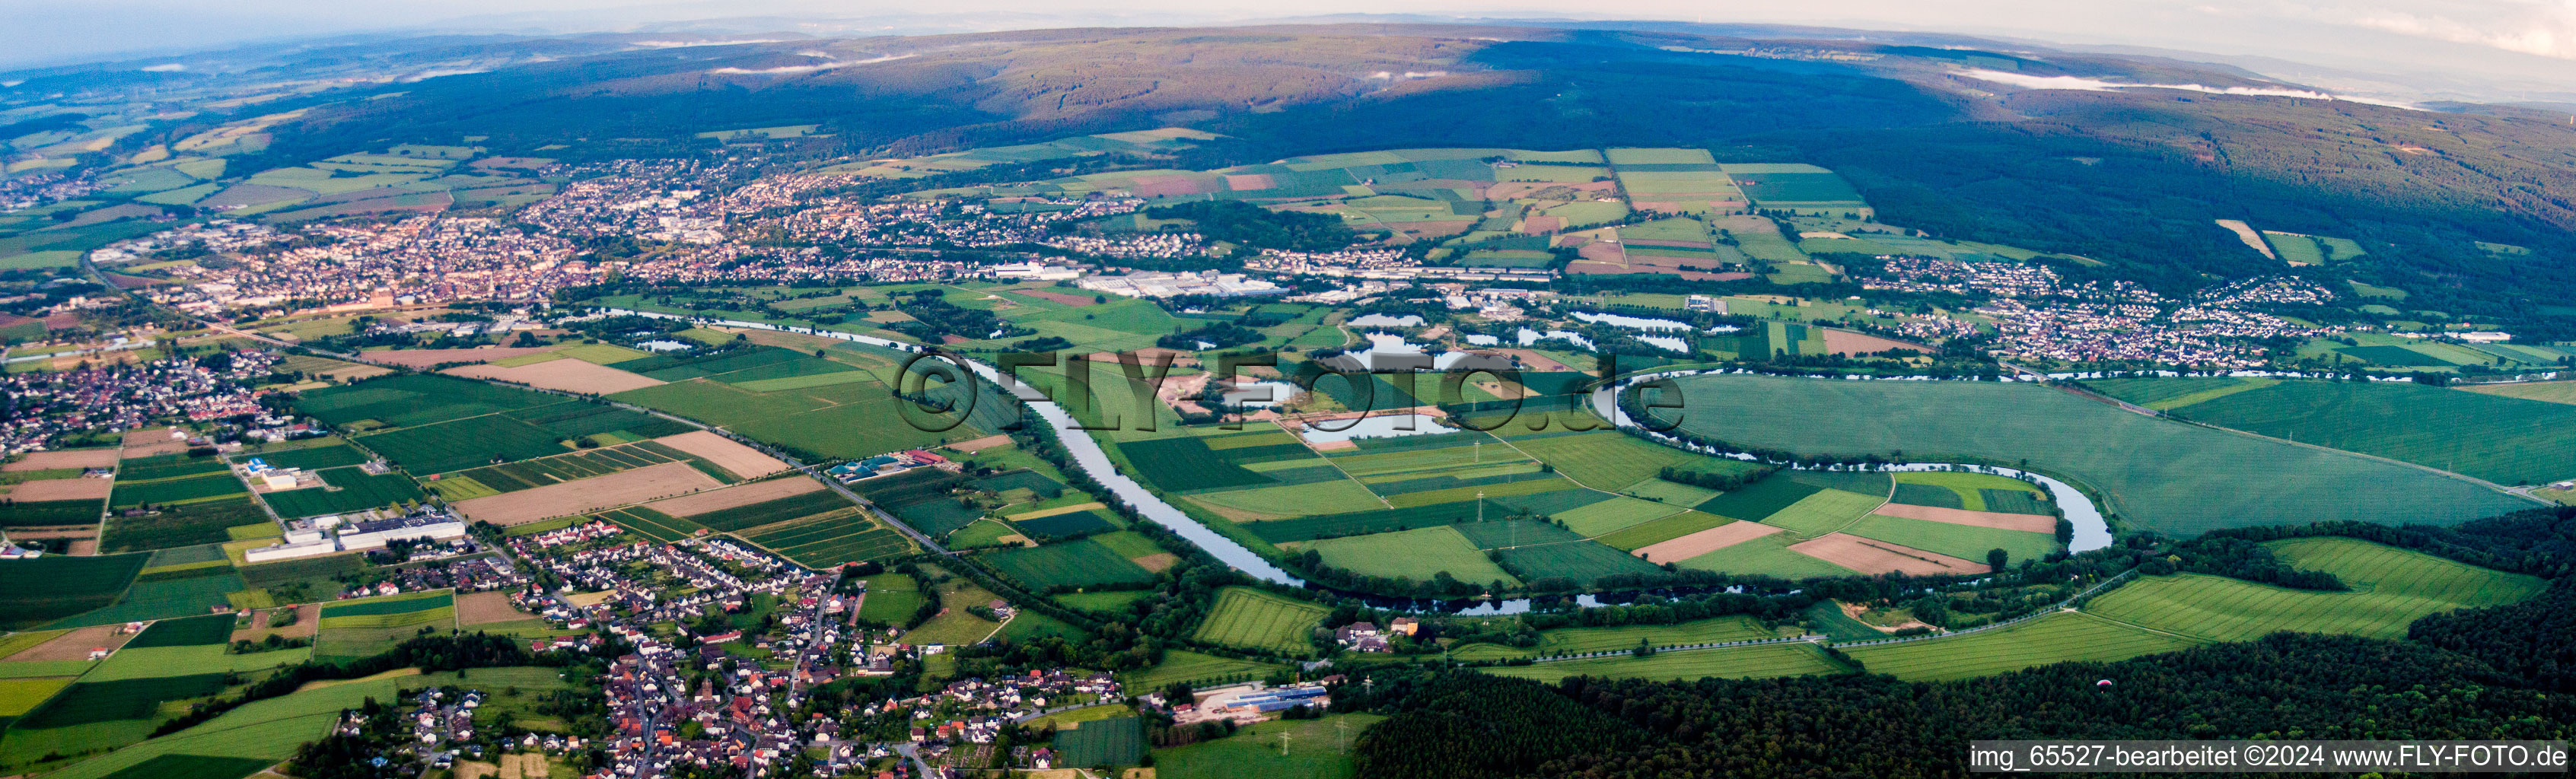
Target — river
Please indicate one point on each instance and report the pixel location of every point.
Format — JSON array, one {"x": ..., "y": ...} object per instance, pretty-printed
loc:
[{"x": 1094, "y": 462}]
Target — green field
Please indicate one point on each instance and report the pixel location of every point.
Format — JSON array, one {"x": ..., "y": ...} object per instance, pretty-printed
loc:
[
  {"x": 1247, "y": 618},
  {"x": 833, "y": 538},
  {"x": 891, "y": 598},
  {"x": 2500, "y": 439},
  {"x": 183, "y": 489},
  {"x": 1745, "y": 662},
  {"x": 1078, "y": 564},
  {"x": 1181, "y": 665},
  {"x": 57, "y": 586},
  {"x": 1582, "y": 562},
  {"x": 1965, "y": 542},
  {"x": 413, "y": 399},
  {"x": 267, "y": 731},
  {"x": 349, "y": 489},
  {"x": 1315, "y": 749},
  {"x": 2165, "y": 475},
  {"x": 2055, "y": 638},
  {"x": 1576, "y": 641},
  {"x": 186, "y": 524},
  {"x": 1824, "y": 512},
  {"x": 2390, "y": 588},
  {"x": 1662, "y": 530},
  {"x": 1114, "y": 742},
  {"x": 1419, "y": 554}
]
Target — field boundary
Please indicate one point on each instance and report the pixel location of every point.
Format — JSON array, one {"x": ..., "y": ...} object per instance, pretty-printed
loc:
[{"x": 2060, "y": 606}]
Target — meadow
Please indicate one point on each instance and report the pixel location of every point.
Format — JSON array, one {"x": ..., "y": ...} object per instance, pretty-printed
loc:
[
  {"x": 1746, "y": 662},
  {"x": 1078, "y": 564},
  {"x": 1618, "y": 638},
  {"x": 2391, "y": 588},
  {"x": 891, "y": 598},
  {"x": 1316, "y": 749},
  {"x": 1419, "y": 554},
  {"x": 1181, "y": 665},
  {"x": 2165, "y": 476},
  {"x": 2500, "y": 439},
  {"x": 1247, "y": 618},
  {"x": 2055, "y": 638}
]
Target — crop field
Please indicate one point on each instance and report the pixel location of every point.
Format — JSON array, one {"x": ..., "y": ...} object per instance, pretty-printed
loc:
[
  {"x": 1181, "y": 665},
  {"x": 1823, "y": 511},
  {"x": 1613, "y": 515},
  {"x": 650, "y": 523},
  {"x": 2055, "y": 638},
  {"x": 1967, "y": 491},
  {"x": 1418, "y": 554},
  {"x": 350, "y": 490},
  {"x": 57, "y": 586},
  {"x": 1759, "y": 499},
  {"x": 1117, "y": 741},
  {"x": 168, "y": 466},
  {"x": 1658, "y": 531},
  {"x": 1575, "y": 641},
  {"x": 50, "y": 512},
  {"x": 1252, "y": 619},
  {"x": 176, "y": 490},
  {"x": 396, "y": 611},
  {"x": 1073, "y": 565},
  {"x": 833, "y": 538},
  {"x": 19, "y": 696},
  {"x": 187, "y": 631},
  {"x": 187, "y": 524},
  {"x": 1769, "y": 555},
  {"x": 1053, "y": 526},
  {"x": 770, "y": 511},
  {"x": 832, "y": 421},
  {"x": 597, "y": 421},
  {"x": 1580, "y": 561},
  {"x": 311, "y": 458},
  {"x": 413, "y": 399},
  {"x": 2167, "y": 476},
  {"x": 463, "y": 443},
  {"x": 525, "y": 474},
  {"x": 1961, "y": 541},
  {"x": 2500, "y": 439},
  {"x": 2392, "y": 588},
  {"x": 1749, "y": 662}
]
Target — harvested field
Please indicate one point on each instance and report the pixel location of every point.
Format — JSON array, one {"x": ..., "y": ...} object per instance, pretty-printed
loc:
[
  {"x": 1846, "y": 342},
  {"x": 147, "y": 437},
  {"x": 585, "y": 495},
  {"x": 980, "y": 444},
  {"x": 139, "y": 451},
  {"x": 423, "y": 358},
  {"x": 564, "y": 375},
  {"x": 308, "y": 620},
  {"x": 484, "y": 608},
  {"x": 76, "y": 644},
  {"x": 1873, "y": 556},
  {"x": 736, "y": 496},
  {"x": 75, "y": 458},
  {"x": 60, "y": 489},
  {"x": 2034, "y": 523},
  {"x": 726, "y": 453},
  {"x": 1705, "y": 541},
  {"x": 1066, "y": 298}
]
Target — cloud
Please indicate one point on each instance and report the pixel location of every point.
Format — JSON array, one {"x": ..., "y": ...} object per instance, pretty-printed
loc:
[
  {"x": 2544, "y": 28},
  {"x": 2027, "y": 81}
]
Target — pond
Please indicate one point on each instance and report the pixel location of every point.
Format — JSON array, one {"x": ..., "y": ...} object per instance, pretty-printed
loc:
[
  {"x": 1382, "y": 426},
  {"x": 1529, "y": 336},
  {"x": 1631, "y": 322},
  {"x": 1382, "y": 320}
]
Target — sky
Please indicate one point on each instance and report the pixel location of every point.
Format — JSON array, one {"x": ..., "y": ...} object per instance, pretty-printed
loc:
[{"x": 2499, "y": 45}]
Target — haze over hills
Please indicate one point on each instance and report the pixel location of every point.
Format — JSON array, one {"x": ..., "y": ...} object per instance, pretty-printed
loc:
[{"x": 1945, "y": 134}]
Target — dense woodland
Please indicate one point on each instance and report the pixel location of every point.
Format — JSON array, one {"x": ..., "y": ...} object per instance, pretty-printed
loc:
[{"x": 2495, "y": 673}]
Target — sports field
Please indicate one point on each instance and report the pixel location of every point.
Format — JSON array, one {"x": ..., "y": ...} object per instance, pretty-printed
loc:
[
  {"x": 2164, "y": 475},
  {"x": 891, "y": 598},
  {"x": 1252, "y": 619},
  {"x": 1316, "y": 749},
  {"x": 2055, "y": 638},
  {"x": 2390, "y": 588},
  {"x": 1745, "y": 662},
  {"x": 2505, "y": 440}
]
